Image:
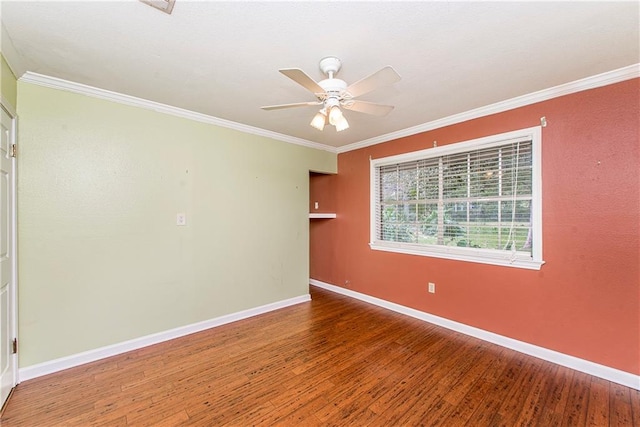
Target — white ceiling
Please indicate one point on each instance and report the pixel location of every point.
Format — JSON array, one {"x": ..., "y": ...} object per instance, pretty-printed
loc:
[{"x": 222, "y": 58}]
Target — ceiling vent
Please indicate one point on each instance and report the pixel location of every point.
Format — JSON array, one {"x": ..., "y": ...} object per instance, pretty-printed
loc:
[{"x": 163, "y": 5}]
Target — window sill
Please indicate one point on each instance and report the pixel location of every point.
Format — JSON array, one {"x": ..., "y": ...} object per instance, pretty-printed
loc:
[{"x": 482, "y": 257}]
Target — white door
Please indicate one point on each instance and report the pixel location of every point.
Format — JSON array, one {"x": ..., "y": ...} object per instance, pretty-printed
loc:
[{"x": 7, "y": 258}]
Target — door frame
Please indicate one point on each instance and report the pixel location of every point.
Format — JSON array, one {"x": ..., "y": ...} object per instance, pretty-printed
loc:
[{"x": 6, "y": 106}]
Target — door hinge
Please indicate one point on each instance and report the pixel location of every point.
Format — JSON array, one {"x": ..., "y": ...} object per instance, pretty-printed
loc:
[
  {"x": 14, "y": 346},
  {"x": 14, "y": 150}
]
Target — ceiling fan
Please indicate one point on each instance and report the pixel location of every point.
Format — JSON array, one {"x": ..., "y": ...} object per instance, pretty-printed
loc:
[{"x": 333, "y": 93}]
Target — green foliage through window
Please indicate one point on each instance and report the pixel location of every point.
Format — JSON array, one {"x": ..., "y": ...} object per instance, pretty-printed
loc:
[{"x": 476, "y": 199}]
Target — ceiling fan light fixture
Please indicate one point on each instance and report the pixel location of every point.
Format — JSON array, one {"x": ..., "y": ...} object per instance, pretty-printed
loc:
[
  {"x": 332, "y": 93},
  {"x": 319, "y": 119},
  {"x": 341, "y": 124},
  {"x": 335, "y": 115}
]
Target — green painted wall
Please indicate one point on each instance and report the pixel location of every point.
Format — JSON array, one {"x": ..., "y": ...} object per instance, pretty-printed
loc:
[
  {"x": 101, "y": 259},
  {"x": 8, "y": 84}
]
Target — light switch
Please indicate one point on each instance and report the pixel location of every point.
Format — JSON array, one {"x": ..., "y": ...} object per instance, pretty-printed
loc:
[{"x": 181, "y": 219}]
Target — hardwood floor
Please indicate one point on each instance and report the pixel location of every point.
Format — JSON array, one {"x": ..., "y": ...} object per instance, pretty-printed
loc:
[{"x": 332, "y": 362}]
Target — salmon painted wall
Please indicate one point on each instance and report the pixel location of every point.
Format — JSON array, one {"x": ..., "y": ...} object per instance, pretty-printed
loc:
[
  {"x": 585, "y": 301},
  {"x": 321, "y": 190}
]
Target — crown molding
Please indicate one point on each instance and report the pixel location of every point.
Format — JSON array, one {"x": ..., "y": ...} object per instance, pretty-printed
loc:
[
  {"x": 599, "y": 80},
  {"x": 61, "y": 84}
]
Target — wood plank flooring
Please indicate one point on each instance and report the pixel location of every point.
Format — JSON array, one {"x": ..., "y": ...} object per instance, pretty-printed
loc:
[{"x": 331, "y": 362}]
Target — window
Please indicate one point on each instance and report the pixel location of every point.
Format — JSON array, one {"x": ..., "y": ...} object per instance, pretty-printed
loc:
[{"x": 477, "y": 201}]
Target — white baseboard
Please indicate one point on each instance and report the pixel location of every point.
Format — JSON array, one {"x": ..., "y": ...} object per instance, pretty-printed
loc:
[
  {"x": 615, "y": 375},
  {"x": 67, "y": 362}
]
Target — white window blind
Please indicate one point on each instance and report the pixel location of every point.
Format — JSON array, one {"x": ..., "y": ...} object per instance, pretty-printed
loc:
[{"x": 477, "y": 201}]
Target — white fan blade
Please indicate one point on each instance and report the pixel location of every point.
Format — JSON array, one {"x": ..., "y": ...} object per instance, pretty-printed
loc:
[
  {"x": 368, "y": 108},
  {"x": 297, "y": 104},
  {"x": 300, "y": 77},
  {"x": 383, "y": 77}
]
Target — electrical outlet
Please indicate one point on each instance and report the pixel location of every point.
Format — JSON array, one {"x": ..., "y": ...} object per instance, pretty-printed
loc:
[
  {"x": 316, "y": 205},
  {"x": 432, "y": 288}
]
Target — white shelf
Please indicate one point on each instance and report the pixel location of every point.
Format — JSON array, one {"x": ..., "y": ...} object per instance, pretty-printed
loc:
[{"x": 321, "y": 215}]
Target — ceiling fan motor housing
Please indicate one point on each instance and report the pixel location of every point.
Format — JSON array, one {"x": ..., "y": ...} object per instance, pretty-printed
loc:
[{"x": 333, "y": 88}]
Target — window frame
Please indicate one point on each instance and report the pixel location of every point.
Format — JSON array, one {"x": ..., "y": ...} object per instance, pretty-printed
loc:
[{"x": 478, "y": 255}]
